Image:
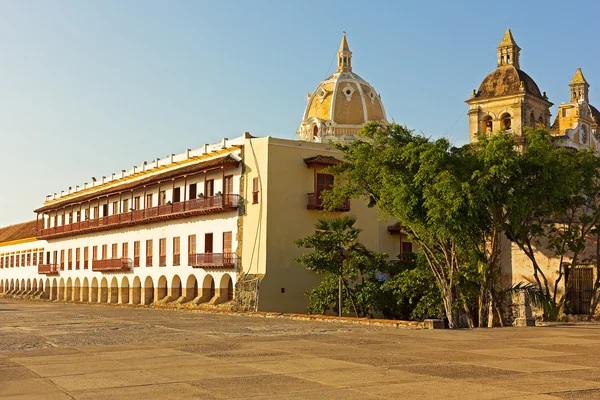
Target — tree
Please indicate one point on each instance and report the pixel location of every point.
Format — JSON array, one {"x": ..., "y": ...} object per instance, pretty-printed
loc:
[{"x": 343, "y": 260}]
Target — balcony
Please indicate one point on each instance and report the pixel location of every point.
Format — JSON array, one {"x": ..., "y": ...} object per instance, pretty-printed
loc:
[
  {"x": 112, "y": 265},
  {"x": 184, "y": 209},
  {"x": 48, "y": 269},
  {"x": 315, "y": 203},
  {"x": 212, "y": 260}
]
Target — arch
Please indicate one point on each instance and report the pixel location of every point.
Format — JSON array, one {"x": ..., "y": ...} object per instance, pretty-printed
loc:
[
  {"x": 506, "y": 121},
  {"x": 176, "y": 289},
  {"x": 136, "y": 291},
  {"x": 94, "y": 291},
  {"x": 23, "y": 284},
  {"x": 532, "y": 120},
  {"x": 14, "y": 285},
  {"x": 85, "y": 290},
  {"x": 69, "y": 290},
  {"x": 148, "y": 291},
  {"x": 76, "y": 290},
  {"x": 191, "y": 287},
  {"x": 28, "y": 285},
  {"x": 487, "y": 124},
  {"x": 103, "y": 295},
  {"x": 315, "y": 131},
  {"x": 584, "y": 134},
  {"x": 61, "y": 289},
  {"x": 161, "y": 288},
  {"x": 34, "y": 285},
  {"x": 541, "y": 120},
  {"x": 226, "y": 288},
  {"x": 208, "y": 288},
  {"x": 124, "y": 291},
  {"x": 113, "y": 293},
  {"x": 47, "y": 289},
  {"x": 1, "y": 285},
  {"x": 54, "y": 290}
]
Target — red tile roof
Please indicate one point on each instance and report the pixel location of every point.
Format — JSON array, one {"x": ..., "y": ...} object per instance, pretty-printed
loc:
[{"x": 24, "y": 230}]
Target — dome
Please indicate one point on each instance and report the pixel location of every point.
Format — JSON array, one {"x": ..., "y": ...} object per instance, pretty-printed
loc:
[
  {"x": 506, "y": 80},
  {"x": 341, "y": 104}
]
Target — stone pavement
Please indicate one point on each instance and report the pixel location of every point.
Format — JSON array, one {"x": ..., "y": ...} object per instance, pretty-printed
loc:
[{"x": 79, "y": 351}]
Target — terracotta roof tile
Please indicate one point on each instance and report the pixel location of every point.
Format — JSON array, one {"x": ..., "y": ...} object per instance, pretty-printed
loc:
[{"x": 24, "y": 230}]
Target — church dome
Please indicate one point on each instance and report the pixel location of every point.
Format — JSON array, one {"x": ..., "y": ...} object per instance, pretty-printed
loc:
[
  {"x": 341, "y": 104},
  {"x": 507, "y": 80}
]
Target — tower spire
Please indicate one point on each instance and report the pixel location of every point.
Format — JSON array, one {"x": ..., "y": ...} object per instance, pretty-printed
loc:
[
  {"x": 508, "y": 50},
  {"x": 344, "y": 56},
  {"x": 579, "y": 87}
]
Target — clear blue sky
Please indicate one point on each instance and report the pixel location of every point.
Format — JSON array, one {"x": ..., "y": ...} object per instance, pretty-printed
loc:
[{"x": 92, "y": 87}]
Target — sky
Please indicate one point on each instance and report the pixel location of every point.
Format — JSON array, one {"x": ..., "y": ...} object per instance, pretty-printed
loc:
[{"x": 88, "y": 88}]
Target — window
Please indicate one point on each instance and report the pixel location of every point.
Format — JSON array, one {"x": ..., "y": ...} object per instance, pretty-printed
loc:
[
  {"x": 176, "y": 195},
  {"x": 70, "y": 260},
  {"x": 62, "y": 260},
  {"x": 191, "y": 248},
  {"x": 136, "y": 203},
  {"x": 115, "y": 251},
  {"x": 96, "y": 212},
  {"x": 176, "y": 251},
  {"x": 255, "y": 191},
  {"x": 104, "y": 252},
  {"x": 506, "y": 121},
  {"x": 162, "y": 252},
  {"x": 87, "y": 214},
  {"x": 62, "y": 219},
  {"x": 115, "y": 208},
  {"x": 78, "y": 216},
  {"x": 324, "y": 182},
  {"x": 228, "y": 184},
  {"x": 104, "y": 210},
  {"x": 148, "y": 200},
  {"x": 35, "y": 258},
  {"x": 487, "y": 124},
  {"x": 162, "y": 198},
  {"x": 86, "y": 254},
  {"x": 125, "y": 250},
  {"x": 149, "y": 253},
  {"x": 18, "y": 262},
  {"x": 209, "y": 188},
  {"x": 532, "y": 120},
  {"x": 55, "y": 257},
  {"x": 126, "y": 206},
  {"x": 70, "y": 218},
  {"x": 193, "y": 191},
  {"x": 227, "y": 242},
  {"x": 48, "y": 260},
  {"x": 208, "y": 242},
  {"x": 77, "y": 257},
  {"x": 136, "y": 253},
  {"x": 406, "y": 247},
  {"x": 94, "y": 253},
  {"x": 28, "y": 258}
]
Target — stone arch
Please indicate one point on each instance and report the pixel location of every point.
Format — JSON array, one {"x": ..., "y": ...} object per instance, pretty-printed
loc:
[
  {"x": 161, "y": 288},
  {"x": 487, "y": 124},
  {"x": 77, "y": 290},
  {"x": 226, "y": 288},
  {"x": 34, "y": 285},
  {"x": 54, "y": 290},
  {"x": 94, "y": 291},
  {"x": 124, "y": 291},
  {"x": 61, "y": 289},
  {"x": 103, "y": 295},
  {"x": 69, "y": 290},
  {"x": 1, "y": 285},
  {"x": 532, "y": 120},
  {"x": 113, "y": 293},
  {"x": 12, "y": 284},
  {"x": 136, "y": 291},
  {"x": 506, "y": 121},
  {"x": 148, "y": 291},
  {"x": 176, "y": 289},
  {"x": 23, "y": 284},
  {"x": 208, "y": 288},
  {"x": 28, "y": 285},
  {"x": 191, "y": 287},
  {"x": 85, "y": 290},
  {"x": 47, "y": 289}
]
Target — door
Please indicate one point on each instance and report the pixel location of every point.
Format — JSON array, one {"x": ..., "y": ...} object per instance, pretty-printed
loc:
[
  {"x": 208, "y": 247},
  {"x": 228, "y": 190},
  {"x": 582, "y": 289},
  {"x": 193, "y": 191}
]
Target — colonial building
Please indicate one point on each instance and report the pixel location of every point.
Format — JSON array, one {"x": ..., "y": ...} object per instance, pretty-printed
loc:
[{"x": 210, "y": 226}]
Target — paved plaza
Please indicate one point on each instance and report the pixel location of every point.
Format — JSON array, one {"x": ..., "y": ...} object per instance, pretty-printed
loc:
[{"x": 82, "y": 351}]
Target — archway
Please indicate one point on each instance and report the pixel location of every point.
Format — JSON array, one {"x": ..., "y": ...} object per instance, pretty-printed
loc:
[
  {"x": 136, "y": 291},
  {"x": 226, "y": 288},
  {"x": 69, "y": 290},
  {"x": 23, "y": 284},
  {"x": 85, "y": 290},
  {"x": 148, "y": 291},
  {"x": 12, "y": 284},
  {"x": 28, "y": 285},
  {"x": 176, "y": 289},
  {"x": 94, "y": 292},
  {"x": 103, "y": 291},
  {"x": 161, "y": 288},
  {"x": 506, "y": 121},
  {"x": 54, "y": 290},
  {"x": 47, "y": 289},
  {"x": 208, "y": 289},
  {"x": 191, "y": 288},
  {"x": 61, "y": 289},
  {"x": 76, "y": 290},
  {"x": 34, "y": 285},
  {"x": 113, "y": 294},
  {"x": 124, "y": 291},
  {"x": 1, "y": 285}
]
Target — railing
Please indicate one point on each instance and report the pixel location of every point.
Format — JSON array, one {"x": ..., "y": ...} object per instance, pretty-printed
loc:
[
  {"x": 219, "y": 203},
  {"x": 48, "y": 269},
  {"x": 315, "y": 203},
  {"x": 113, "y": 264},
  {"x": 214, "y": 260}
]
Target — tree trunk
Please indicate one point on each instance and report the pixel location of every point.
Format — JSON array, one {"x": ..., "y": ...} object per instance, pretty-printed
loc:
[
  {"x": 340, "y": 297},
  {"x": 595, "y": 297}
]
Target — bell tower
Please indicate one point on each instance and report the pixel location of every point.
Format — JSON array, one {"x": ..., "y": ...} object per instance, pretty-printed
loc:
[
  {"x": 579, "y": 88},
  {"x": 344, "y": 56},
  {"x": 508, "y": 51}
]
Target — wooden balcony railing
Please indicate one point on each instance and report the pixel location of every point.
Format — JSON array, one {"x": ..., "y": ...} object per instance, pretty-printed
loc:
[
  {"x": 315, "y": 203},
  {"x": 212, "y": 260},
  {"x": 48, "y": 269},
  {"x": 205, "y": 205},
  {"x": 112, "y": 265}
]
